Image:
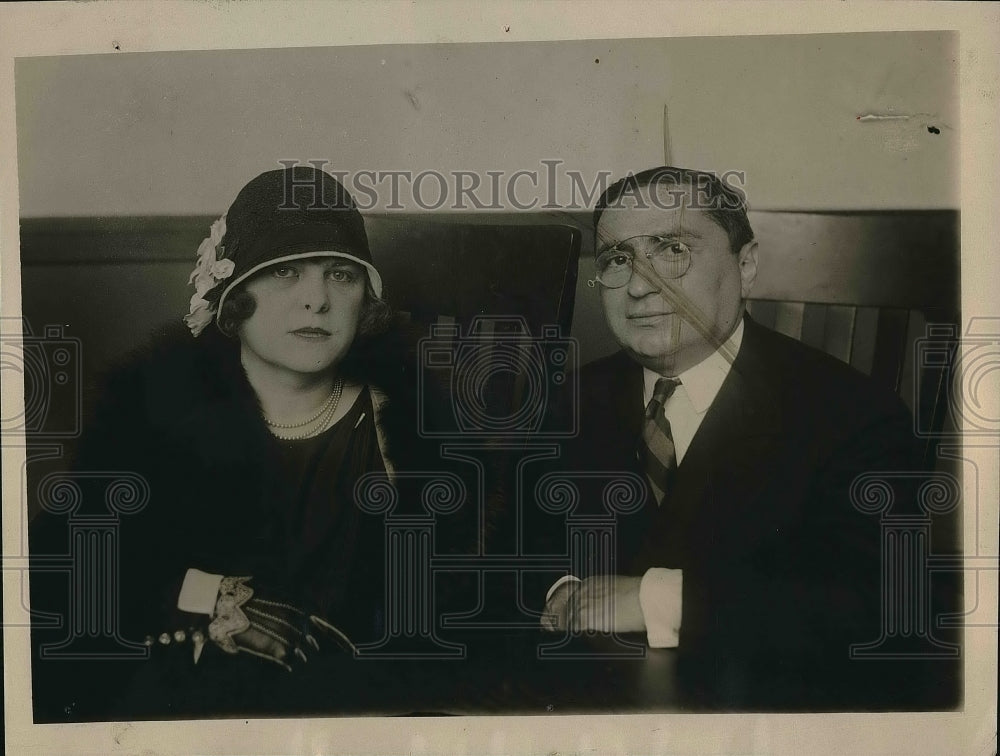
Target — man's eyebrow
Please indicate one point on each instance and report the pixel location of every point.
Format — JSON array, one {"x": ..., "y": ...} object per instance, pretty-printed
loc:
[
  {"x": 681, "y": 235},
  {"x": 684, "y": 233}
]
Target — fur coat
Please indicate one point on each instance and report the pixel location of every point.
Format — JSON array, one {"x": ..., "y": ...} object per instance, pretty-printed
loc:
[{"x": 181, "y": 413}]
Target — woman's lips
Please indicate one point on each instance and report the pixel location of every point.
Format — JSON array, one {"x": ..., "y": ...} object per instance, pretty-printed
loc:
[{"x": 312, "y": 333}]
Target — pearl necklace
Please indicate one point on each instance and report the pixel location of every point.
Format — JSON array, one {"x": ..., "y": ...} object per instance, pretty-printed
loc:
[{"x": 324, "y": 416}]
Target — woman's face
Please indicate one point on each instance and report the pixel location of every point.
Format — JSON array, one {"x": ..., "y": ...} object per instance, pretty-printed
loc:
[{"x": 306, "y": 317}]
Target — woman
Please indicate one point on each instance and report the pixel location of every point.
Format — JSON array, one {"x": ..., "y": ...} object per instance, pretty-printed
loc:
[{"x": 253, "y": 431}]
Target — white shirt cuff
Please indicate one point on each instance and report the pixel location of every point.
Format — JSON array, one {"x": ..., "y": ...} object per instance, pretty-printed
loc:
[
  {"x": 560, "y": 581},
  {"x": 660, "y": 599},
  {"x": 199, "y": 592}
]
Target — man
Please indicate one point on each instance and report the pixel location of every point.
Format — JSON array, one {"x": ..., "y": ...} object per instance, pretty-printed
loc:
[{"x": 748, "y": 553}]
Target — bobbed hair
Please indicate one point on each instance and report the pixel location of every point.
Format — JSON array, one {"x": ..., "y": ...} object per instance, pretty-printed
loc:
[{"x": 376, "y": 313}]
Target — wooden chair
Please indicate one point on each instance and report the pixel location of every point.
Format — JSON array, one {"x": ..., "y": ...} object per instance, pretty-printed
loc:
[
  {"x": 871, "y": 289},
  {"x": 865, "y": 287},
  {"x": 111, "y": 281},
  {"x": 107, "y": 284}
]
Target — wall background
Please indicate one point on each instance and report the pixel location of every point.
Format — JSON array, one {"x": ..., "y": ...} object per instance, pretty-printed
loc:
[{"x": 179, "y": 133}]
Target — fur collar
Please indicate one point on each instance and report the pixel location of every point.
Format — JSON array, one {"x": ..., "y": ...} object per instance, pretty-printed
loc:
[{"x": 193, "y": 393}]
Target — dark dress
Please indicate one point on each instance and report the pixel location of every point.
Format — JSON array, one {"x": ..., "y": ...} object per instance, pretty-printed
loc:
[
  {"x": 308, "y": 531},
  {"x": 226, "y": 497}
]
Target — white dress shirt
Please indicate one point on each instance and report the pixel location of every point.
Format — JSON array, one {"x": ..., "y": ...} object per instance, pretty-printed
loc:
[{"x": 660, "y": 589}]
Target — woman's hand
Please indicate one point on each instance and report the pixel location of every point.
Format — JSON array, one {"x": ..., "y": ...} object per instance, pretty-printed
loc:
[{"x": 269, "y": 628}]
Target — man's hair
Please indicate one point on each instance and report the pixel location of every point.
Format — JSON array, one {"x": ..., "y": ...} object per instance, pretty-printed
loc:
[
  {"x": 724, "y": 204},
  {"x": 376, "y": 314}
]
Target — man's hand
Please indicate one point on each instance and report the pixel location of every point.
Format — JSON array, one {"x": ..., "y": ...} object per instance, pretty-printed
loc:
[
  {"x": 605, "y": 603},
  {"x": 555, "y": 616}
]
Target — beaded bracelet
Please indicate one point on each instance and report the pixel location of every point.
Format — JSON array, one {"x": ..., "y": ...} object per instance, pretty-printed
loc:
[{"x": 179, "y": 636}]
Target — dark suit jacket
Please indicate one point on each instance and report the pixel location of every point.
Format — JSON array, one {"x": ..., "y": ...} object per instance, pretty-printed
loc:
[{"x": 780, "y": 569}]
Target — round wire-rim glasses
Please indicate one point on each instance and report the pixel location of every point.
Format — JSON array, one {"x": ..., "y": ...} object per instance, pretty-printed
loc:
[{"x": 667, "y": 256}]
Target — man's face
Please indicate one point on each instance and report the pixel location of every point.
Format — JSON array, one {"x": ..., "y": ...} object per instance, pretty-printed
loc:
[{"x": 670, "y": 329}]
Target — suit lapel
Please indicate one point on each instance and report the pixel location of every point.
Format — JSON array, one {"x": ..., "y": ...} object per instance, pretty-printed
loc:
[
  {"x": 611, "y": 415},
  {"x": 622, "y": 406},
  {"x": 722, "y": 474}
]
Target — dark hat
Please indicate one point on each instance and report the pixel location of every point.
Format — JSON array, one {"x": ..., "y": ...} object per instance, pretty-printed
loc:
[{"x": 299, "y": 211}]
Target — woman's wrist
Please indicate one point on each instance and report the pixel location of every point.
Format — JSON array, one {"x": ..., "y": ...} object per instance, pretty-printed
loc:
[{"x": 199, "y": 592}]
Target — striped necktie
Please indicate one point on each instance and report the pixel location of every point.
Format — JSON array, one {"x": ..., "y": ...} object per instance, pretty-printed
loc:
[{"x": 656, "y": 451}]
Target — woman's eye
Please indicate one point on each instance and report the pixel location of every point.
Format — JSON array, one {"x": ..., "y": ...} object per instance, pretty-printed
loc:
[
  {"x": 341, "y": 275},
  {"x": 284, "y": 271}
]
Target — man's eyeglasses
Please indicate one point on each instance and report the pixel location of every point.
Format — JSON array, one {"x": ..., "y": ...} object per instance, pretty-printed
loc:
[{"x": 668, "y": 257}]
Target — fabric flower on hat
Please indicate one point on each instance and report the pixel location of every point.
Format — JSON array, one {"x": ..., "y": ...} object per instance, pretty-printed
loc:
[
  {"x": 201, "y": 315},
  {"x": 207, "y": 273},
  {"x": 222, "y": 269},
  {"x": 217, "y": 231}
]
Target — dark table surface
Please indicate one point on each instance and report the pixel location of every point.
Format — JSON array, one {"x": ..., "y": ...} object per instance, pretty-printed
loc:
[{"x": 500, "y": 674}]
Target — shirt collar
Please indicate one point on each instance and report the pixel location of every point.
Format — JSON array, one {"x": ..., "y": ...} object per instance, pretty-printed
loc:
[{"x": 702, "y": 382}]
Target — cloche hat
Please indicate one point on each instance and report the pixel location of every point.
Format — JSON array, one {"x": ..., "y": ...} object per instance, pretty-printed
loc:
[{"x": 282, "y": 215}]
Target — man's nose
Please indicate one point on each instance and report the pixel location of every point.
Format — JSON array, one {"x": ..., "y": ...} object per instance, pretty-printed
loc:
[
  {"x": 313, "y": 291},
  {"x": 638, "y": 283}
]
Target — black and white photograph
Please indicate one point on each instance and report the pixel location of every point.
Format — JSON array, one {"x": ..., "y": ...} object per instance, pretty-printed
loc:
[{"x": 546, "y": 391}]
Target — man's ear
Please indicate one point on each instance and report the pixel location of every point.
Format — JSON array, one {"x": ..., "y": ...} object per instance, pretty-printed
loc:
[{"x": 748, "y": 266}]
